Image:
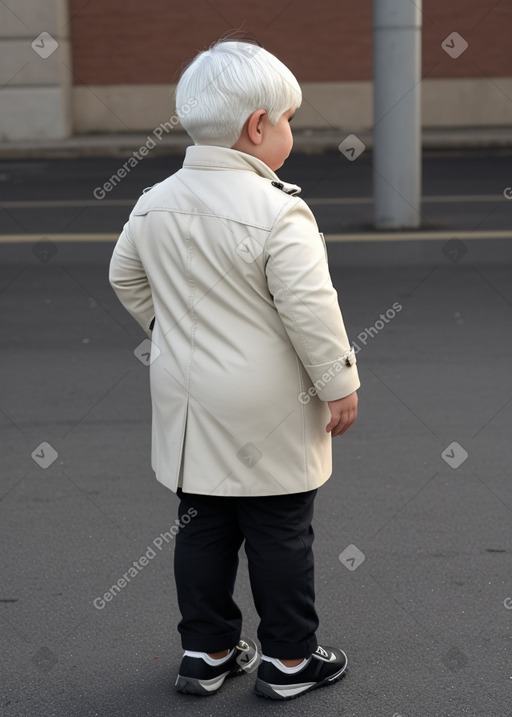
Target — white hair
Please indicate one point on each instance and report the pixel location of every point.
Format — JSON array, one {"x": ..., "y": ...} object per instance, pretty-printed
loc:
[{"x": 225, "y": 84}]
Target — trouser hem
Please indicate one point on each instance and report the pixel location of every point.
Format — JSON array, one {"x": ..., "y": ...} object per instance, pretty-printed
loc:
[
  {"x": 210, "y": 643},
  {"x": 289, "y": 652}
]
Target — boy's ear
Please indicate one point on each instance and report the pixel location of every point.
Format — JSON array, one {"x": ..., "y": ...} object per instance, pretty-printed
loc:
[{"x": 255, "y": 126}]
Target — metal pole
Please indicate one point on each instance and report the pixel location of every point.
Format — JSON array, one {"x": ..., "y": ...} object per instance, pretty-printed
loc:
[{"x": 397, "y": 113}]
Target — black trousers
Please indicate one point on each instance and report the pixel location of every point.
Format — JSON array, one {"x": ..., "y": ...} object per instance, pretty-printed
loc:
[{"x": 278, "y": 542}]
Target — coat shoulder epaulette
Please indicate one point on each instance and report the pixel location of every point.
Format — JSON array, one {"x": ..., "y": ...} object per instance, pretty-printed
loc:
[{"x": 287, "y": 188}]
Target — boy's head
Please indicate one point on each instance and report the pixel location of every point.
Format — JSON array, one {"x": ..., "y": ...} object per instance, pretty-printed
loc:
[{"x": 244, "y": 96}]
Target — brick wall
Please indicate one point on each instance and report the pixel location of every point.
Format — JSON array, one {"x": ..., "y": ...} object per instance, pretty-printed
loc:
[{"x": 135, "y": 42}]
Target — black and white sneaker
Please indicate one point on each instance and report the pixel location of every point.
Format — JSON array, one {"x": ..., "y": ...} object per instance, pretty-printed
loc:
[
  {"x": 198, "y": 676},
  {"x": 322, "y": 668}
]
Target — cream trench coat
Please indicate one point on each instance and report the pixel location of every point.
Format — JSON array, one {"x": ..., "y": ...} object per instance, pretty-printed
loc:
[{"x": 248, "y": 338}]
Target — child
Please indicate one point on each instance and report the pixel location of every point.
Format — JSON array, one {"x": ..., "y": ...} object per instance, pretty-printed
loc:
[{"x": 251, "y": 373}]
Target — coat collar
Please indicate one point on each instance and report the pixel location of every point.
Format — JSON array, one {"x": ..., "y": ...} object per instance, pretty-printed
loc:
[{"x": 213, "y": 157}]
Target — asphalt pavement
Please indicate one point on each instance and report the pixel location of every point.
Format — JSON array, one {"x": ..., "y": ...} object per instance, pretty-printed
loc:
[{"x": 413, "y": 530}]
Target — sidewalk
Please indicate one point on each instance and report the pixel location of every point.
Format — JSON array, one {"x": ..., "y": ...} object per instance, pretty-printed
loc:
[{"x": 305, "y": 141}]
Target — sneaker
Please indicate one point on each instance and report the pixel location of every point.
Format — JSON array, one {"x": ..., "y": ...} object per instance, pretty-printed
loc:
[
  {"x": 197, "y": 677},
  {"x": 323, "y": 667}
]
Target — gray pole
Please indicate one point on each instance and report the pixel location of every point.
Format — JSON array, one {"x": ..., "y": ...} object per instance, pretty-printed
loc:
[{"x": 397, "y": 113}]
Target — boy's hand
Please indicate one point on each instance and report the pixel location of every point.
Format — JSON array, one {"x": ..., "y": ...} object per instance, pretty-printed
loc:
[{"x": 343, "y": 414}]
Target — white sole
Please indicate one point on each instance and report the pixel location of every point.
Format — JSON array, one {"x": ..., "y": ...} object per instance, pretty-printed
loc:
[{"x": 288, "y": 692}]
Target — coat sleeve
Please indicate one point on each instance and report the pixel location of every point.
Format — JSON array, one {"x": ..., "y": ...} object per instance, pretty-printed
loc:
[
  {"x": 300, "y": 283},
  {"x": 129, "y": 281}
]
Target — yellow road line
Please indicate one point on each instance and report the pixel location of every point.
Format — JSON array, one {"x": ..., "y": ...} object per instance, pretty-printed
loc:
[
  {"x": 420, "y": 235},
  {"x": 429, "y": 199},
  {"x": 333, "y": 238}
]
